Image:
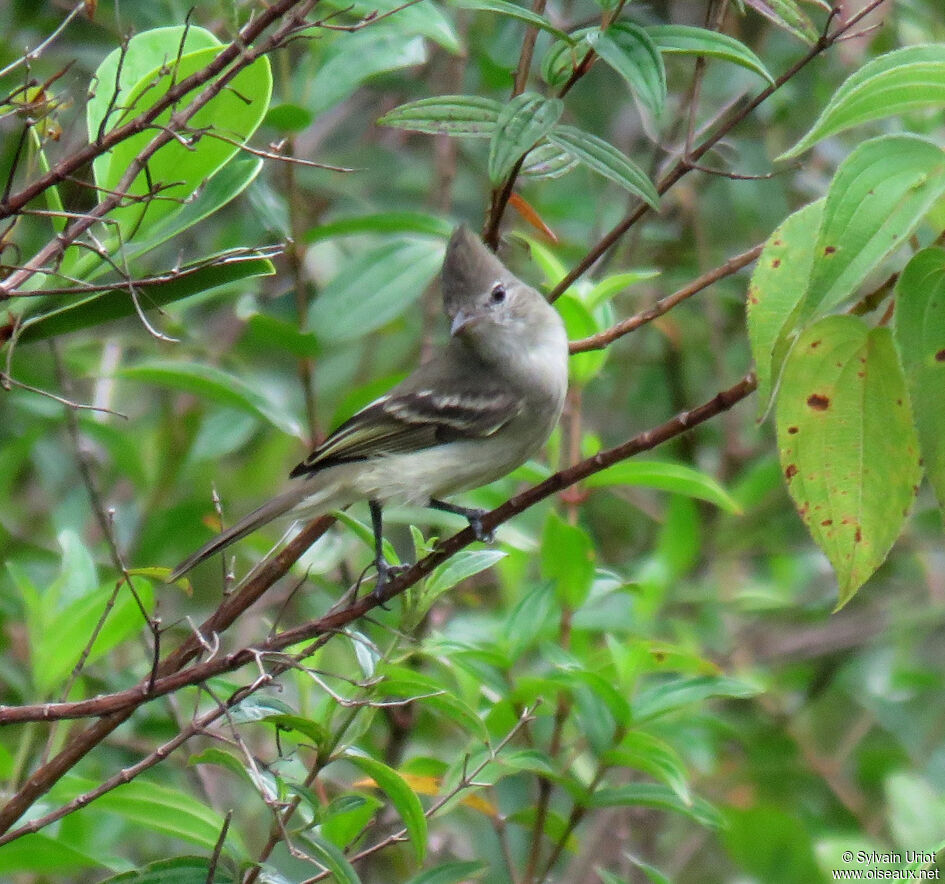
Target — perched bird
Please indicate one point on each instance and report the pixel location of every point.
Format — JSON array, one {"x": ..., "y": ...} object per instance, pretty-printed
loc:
[{"x": 479, "y": 408}]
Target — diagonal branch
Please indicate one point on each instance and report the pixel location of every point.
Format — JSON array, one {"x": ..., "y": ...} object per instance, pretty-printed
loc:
[{"x": 685, "y": 164}]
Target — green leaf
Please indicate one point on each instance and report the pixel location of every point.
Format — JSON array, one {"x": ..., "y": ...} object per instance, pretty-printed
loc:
[
  {"x": 332, "y": 860},
  {"x": 222, "y": 188},
  {"x": 41, "y": 854},
  {"x": 786, "y": 14},
  {"x": 878, "y": 196},
  {"x": 468, "y": 116},
  {"x": 402, "y": 683},
  {"x": 678, "y": 478},
  {"x": 611, "y": 286},
  {"x": 58, "y": 644},
  {"x": 657, "y": 796},
  {"x": 920, "y": 336},
  {"x": 93, "y": 310},
  {"x": 895, "y": 83},
  {"x": 678, "y": 692},
  {"x": 216, "y": 385},
  {"x": 630, "y": 51},
  {"x": 235, "y": 112},
  {"x": 425, "y": 19},
  {"x": 401, "y": 796},
  {"x": 146, "y": 52},
  {"x": 227, "y": 760},
  {"x": 417, "y": 223},
  {"x": 288, "y": 118},
  {"x": 457, "y": 872},
  {"x": 459, "y": 567},
  {"x": 356, "y": 57},
  {"x": 524, "y": 121},
  {"x": 642, "y": 751},
  {"x": 161, "y": 808},
  {"x": 502, "y": 7},
  {"x": 580, "y": 323},
  {"x": 346, "y": 817},
  {"x": 567, "y": 557},
  {"x": 687, "y": 40},
  {"x": 606, "y": 160},
  {"x": 179, "y": 870},
  {"x": 778, "y": 285},
  {"x": 848, "y": 447},
  {"x": 374, "y": 288},
  {"x": 548, "y": 161},
  {"x": 563, "y": 56}
]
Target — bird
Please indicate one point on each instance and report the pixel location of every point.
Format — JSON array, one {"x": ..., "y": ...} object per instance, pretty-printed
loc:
[{"x": 480, "y": 407}]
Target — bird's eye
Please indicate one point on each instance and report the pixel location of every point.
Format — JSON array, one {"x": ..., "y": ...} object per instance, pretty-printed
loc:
[{"x": 498, "y": 293}]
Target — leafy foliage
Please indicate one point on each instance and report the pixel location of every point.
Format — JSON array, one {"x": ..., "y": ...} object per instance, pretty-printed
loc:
[{"x": 222, "y": 234}]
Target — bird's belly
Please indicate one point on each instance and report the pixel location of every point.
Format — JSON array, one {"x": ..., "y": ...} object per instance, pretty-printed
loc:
[{"x": 440, "y": 471}]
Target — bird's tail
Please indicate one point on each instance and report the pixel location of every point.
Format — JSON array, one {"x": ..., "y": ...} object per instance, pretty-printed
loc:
[{"x": 322, "y": 501}]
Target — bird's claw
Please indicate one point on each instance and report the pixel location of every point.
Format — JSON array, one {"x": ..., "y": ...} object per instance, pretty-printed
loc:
[
  {"x": 385, "y": 573},
  {"x": 475, "y": 522}
]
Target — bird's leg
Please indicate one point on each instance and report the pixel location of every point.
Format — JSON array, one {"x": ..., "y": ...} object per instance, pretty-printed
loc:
[
  {"x": 384, "y": 570},
  {"x": 473, "y": 515}
]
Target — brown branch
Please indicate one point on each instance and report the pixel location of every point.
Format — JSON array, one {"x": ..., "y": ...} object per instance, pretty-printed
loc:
[
  {"x": 120, "y": 701},
  {"x": 528, "y": 50},
  {"x": 241, "y": 56},
  {"x": 684, "y": 164},
  {"x": 232, "y": 607},
  {"x": 234, "y": 52},
  {"x": 664, "y": 305}
]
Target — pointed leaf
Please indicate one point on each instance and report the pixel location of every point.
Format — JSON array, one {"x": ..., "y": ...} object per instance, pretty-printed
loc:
[
  {"x": 503, "y": 7},
  {"x": 687, "y": 40},
  {"x": 425, "y": 19},
  {"x": 524, "y": 121},
  {"x": 848, "y": 447},
  {"x": 462, "y": 116},
  {"x": 179, "y": 870},
  {"x": 788, "y": 15},
  {"x": 332, "y": 860},
  {"x": 235, "y": 112},
  {"x": 457, "y": 872},
  {"x": 401, "y": 796},
  {"x": 920, "y": 337},
  {"x": 678, "y": 478},
  {"x": 657, "y": 796},
  {"x": 216, "y": 385},
  {"x": 605, "y": 159},
  {"x": 548, "y": 161},
  {"x": 877, "y": 197},
  {"x": 97, "y": 309},
  {"x": 374, "y": 288},
  {"x": 898, "y": 82},
  {"x": 563, "y": 56},
  {"x": 381, "y": 222},
  {"x": 631, "y": 52},
  {"x": 778, "y": 285},
  {"x": 356, "y": 57}
]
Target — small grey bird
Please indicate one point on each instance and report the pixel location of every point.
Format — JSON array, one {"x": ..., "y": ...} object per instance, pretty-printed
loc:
[{"x": 479, "y": 408}]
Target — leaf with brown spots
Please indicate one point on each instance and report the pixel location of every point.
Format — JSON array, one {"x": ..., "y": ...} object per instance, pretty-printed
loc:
[
  {"x": 878, "y": 196},
  {"x": 920, "y": 335},
  {"x": 777, "y": 286},
  {"x": 847, "y": 444}
]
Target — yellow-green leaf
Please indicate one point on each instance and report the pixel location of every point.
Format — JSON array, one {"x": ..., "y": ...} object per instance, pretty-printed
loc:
[{"x": 848, "y": 448}]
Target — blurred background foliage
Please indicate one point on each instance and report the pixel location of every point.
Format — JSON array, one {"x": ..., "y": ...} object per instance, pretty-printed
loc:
[{"x": 761, "y": 737}]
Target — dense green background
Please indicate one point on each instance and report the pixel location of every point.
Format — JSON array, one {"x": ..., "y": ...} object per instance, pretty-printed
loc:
[{"x": 690, "y": 672}]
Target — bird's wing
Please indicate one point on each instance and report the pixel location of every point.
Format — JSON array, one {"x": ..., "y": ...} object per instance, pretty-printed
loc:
[{"x": 412, "y": 420}]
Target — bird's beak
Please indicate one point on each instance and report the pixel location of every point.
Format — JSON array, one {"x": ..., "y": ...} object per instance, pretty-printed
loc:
[{"x": 461, "y": 321}]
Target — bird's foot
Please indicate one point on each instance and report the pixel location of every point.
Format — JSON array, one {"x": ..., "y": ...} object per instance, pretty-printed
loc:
[
  {"x": 474, "y": 517},
  {"x": 385, "y": 573}
]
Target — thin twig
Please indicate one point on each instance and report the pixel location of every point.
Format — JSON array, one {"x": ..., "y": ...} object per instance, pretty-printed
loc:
[
  {"x": 602, "y": 339},
  {"x": 682, "y": 166}
]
